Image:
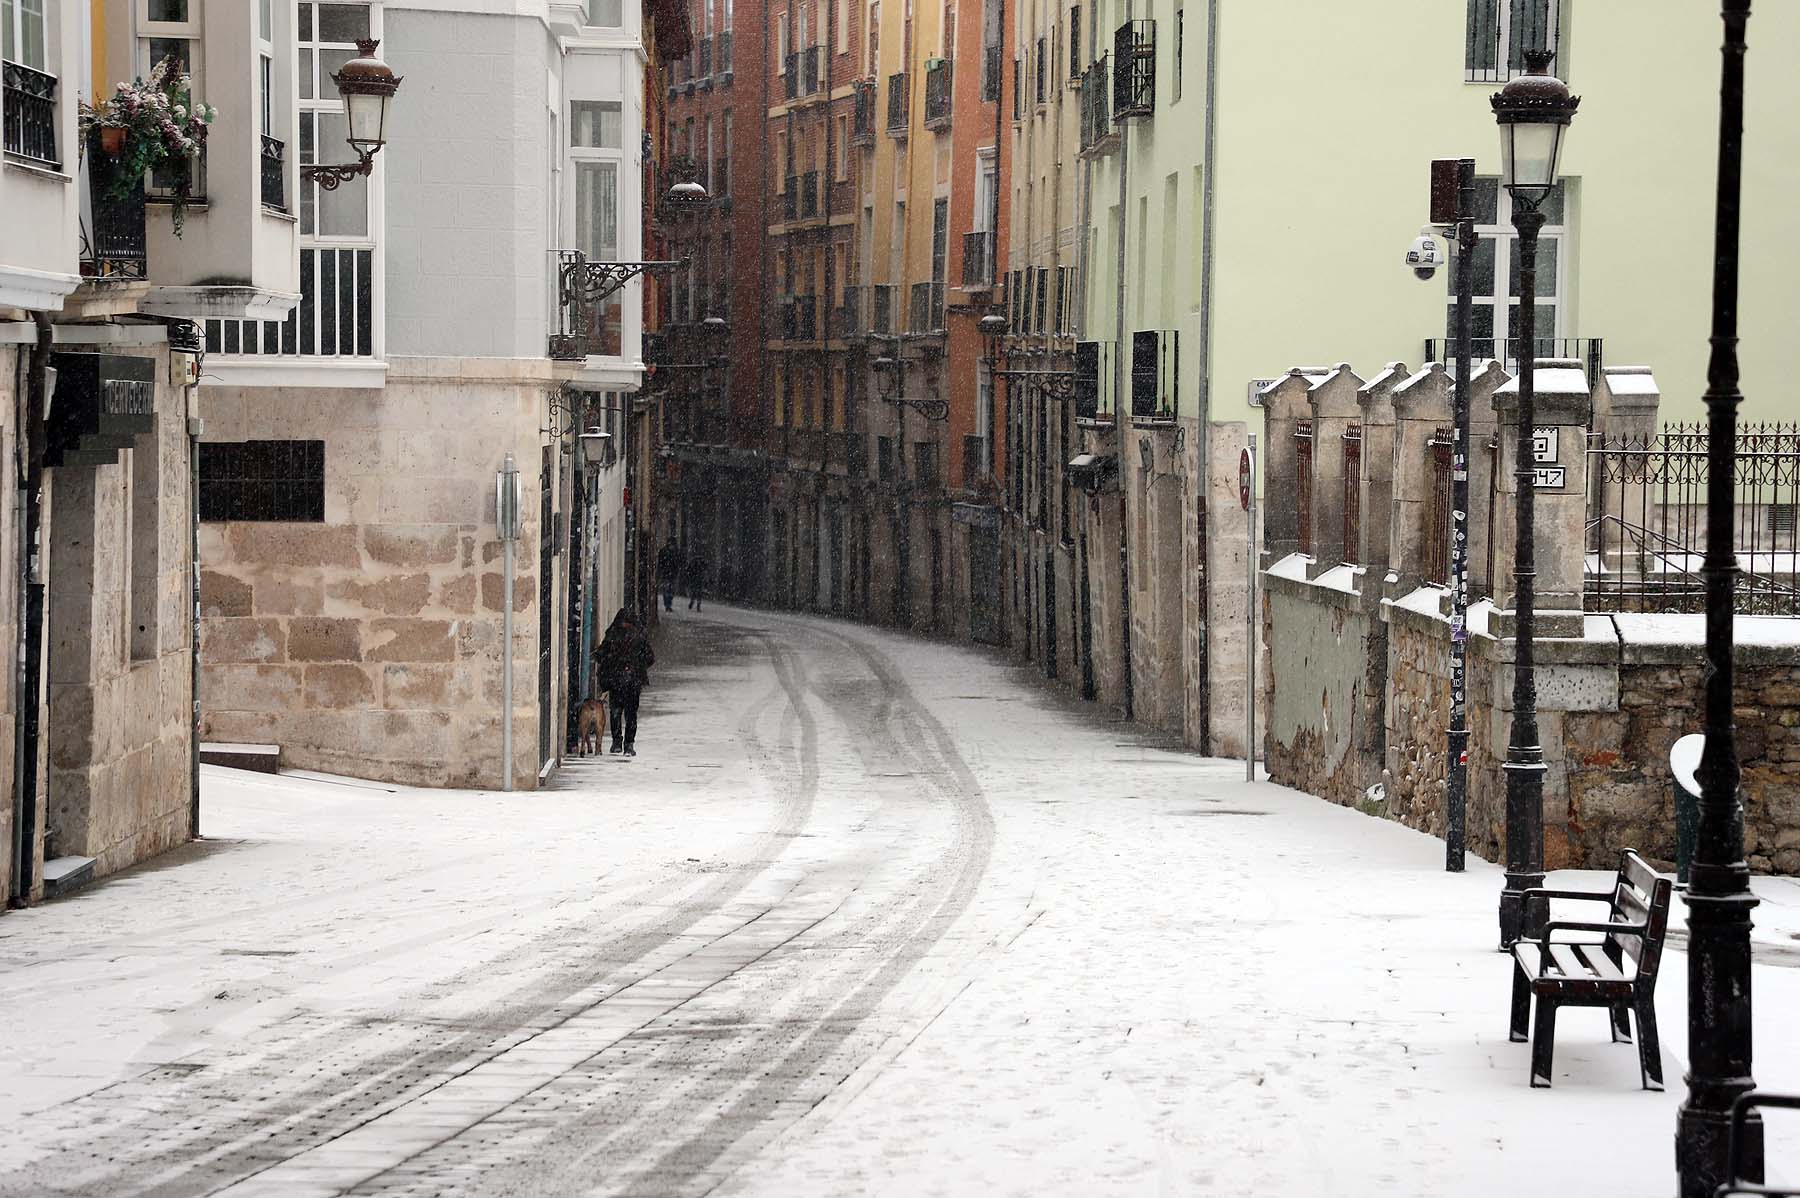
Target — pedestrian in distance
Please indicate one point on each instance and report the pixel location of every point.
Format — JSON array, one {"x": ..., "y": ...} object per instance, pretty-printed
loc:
[
  {"x": 696, "y": 579},
  {"x": 668, "y": 571},
  {"x": 622, "y": 663}
]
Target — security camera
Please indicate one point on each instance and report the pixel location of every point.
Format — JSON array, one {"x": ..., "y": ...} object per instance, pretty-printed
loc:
[{"x": 1427, "y": 253}]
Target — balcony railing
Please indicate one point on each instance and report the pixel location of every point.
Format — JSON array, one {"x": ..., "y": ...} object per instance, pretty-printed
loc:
[
  {"x": 927, "y": 308},
  {"x": 1155, "y": 374},
  {"x": 898, "y": 97},
  {"x": 115, "y": 246},
  {"x": 862, "y": 125},
  {"x": 274, "y": 175},
  {"x": 974, "y": 459},
  {"x": 1506, "y": 351},
  {"x": 846, "y": 320},
  {"x": 990, "y": 74},
  {"x": 809, "y": 195},
  {"x": 29, "y": 105},
  {"x": 1499, "y": 32},
  {"x": 937, "y": 93},
  {"x": 706, "y": 57},
  {"x": 1134, "y": 70},
  {"x": 978, "y": 259},
  {"x": 335, "y": 316},
  {"x": 725, "y": 54},
  {"x": 812, "y": 73},
  {"x": 1097, "y": 133}
]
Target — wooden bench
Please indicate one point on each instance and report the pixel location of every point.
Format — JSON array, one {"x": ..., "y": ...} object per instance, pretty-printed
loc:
[{"x": 1593, "y": 973}]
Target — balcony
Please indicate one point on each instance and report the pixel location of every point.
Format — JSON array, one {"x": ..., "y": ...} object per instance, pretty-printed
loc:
[
  {"x": 847, "y": 453},
  {"x": 848, "y": 317},
  {"x": 1506, "y": 351},
  {"x": 927, "y": 309},
  {"x": 990, "y": 74},
  {"x": 975, "y": 465},
  {"x": 882, "y": 310},
  {"x": 937, "y": 93},
  {"x": 274, "y": 174},
  {"x": 862, "y": 125},
  {"x": 724, "y": 57},
  {"x": 799, "y": 318},
  {"x": 802, "y": 76},
  {"x": 1134, "y": 70},
  {"x": 1155, "y": 375},
  {"x": 790, "y": 77},
  {"x": 898, "y": 99},
  {"x": 704, "y": 55},
  {"x": 978, "y": 260},
  {"x": 809, "y": 195},
  {"x": 115, "y": 246},
  {"x": 1094, "y": 400},
  {"x": 29, "y": 107},
  {"x": 1098, "y": 136}
]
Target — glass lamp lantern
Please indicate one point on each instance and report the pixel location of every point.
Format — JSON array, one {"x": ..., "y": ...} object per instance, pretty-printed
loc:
[
  {"x": 366, "y": 84},
  {"x": 1533, "y": 112}
]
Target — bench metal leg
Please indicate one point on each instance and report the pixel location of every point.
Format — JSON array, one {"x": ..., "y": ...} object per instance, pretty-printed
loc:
[
  {"x": 1649, "y": 1049},
  {"x": 1543, "y": 1042},
  {"x": 1521, "y": 1005},
  {"x": 1621, "y": 1023}
]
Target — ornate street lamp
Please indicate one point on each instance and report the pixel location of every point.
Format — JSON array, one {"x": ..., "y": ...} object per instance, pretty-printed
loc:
[
  {"x": 1718, "y": 896},
  {"x": 1533, "y": 112},
  {"x": 366, "y": 85}
]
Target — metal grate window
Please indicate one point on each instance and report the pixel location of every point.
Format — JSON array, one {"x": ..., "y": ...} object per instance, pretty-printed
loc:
[{"x": 262, "y": 480}]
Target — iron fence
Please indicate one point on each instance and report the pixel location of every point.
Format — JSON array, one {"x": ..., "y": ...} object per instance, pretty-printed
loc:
[
  {"x": 1586, "y": 350},
  {"x": 273, "y": 180},
  {"x": 938, "y": 75},
  {"x": 897, "y": 100},
  {"x": 1646, "y": 520},
  {"x": 28, "y": 99}
]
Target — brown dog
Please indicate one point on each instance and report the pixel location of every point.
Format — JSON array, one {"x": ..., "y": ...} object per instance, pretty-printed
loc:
[{"x": 590, "y": 725}]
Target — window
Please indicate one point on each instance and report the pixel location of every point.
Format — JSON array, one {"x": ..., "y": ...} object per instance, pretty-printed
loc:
[
  {"x": 262, "y": 480},
  {"x": 1501, "y": 31},
  {"x": 597, "y": 210},
  {"x": 22, "y": 34},
  {"x": 168, "y": 29},
  {"x": 1496, "y": 269},
  {"x": 595, "y": 124},
  {"x": 842, "y": 173},
  {"x": 1180, "y": 22},
  {"x": 843, "y": 26},
  {"x": 1075, "y": 41},
  {"x": 940, "y": 238},
  {"x": 609, "y": 14},
  {"x": 781, "y": 44},
  {"x": 724, "y": 172}
]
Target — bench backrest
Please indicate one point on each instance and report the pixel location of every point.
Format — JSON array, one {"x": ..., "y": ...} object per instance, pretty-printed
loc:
[{"x": 1640, "y": 895}]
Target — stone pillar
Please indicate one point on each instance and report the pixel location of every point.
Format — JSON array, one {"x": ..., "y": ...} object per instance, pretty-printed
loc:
[
  {"x": 1484, "y": 451},
  {"x": 1561, "y": 419},
  {"x": 1625, "y": 409},
  {"x": 1626, "y": 399},
  {"x": 1421, "y": 410},
  {"x": 1284, "y": 404},
  {"x": 1332, "y": 400},
  {"x": 1376, "y": 484}
]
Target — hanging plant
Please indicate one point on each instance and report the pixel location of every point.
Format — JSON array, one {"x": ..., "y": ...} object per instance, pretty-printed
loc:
[{"x": 146, "y": 124}]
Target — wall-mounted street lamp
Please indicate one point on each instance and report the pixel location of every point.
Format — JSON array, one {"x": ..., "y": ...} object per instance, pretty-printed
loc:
[
  {"x": 366, "y": 85},
  {"x": 1533, "y": 112}
]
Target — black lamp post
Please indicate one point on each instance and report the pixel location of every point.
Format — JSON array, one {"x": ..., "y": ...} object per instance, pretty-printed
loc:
[
  {"x": 993, "y": 333},
  {"x": 1533, "y": 112},
  {"x": 1718, "y": 896},
  {"x": 894, "y": 369}
]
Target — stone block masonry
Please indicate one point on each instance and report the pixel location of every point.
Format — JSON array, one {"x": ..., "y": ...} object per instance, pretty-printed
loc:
[{"x": 370, "y": 644}]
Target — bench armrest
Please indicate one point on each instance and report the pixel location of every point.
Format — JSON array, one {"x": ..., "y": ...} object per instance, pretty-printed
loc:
[
  {"x": 1574, "y": 895},
  {"x": 1575, "y": 925}
]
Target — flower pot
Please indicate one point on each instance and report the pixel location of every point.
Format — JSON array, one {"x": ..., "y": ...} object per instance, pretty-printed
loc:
[{"x": 112, "y": 140}]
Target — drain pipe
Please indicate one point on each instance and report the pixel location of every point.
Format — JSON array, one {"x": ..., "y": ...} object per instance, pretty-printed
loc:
[
  {"x": 36, "y": 402},
  {"x": 195, "y": 427}
]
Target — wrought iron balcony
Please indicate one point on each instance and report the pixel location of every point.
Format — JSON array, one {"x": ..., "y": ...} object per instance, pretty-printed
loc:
[
  {"x": 115, "y": 247},
  {"x": 1134, "y": 70},
  {"x": 809, "y": 195},
  {"x": 790, "y": 77},
  {"x": 927, "y": 314},
  {"x": 1097, "y": 133},
  {"x": 705, "y": 49},
  {"x": 1155, "y": 374},
  {"x": 862, "y": 125},
  {"x": 274, "y": 185},
  {"x": 975, "y": 465},
  {"x": 812, "y": 73},
  {"x": 937, "y": 93},
  {"x": 978, "y": 260},
  {"x": 29, "y": 106},
  {"x": 724, "y": 55},
  {"x": 882, "y": 307},
  {"x": 898, "y": 99},
  {"x": 1506, "y": 351},
  {"x": 799, "y": 318}
]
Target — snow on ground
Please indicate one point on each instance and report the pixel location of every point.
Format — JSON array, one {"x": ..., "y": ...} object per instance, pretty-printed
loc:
[{"x": 867, "y": 915}]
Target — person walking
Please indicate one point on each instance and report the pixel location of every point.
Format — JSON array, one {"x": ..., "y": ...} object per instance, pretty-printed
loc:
[
  {"x": 622, "y": 661},
  {"x": 668, "y": 571},
  {"x": 696, "y": 579}
]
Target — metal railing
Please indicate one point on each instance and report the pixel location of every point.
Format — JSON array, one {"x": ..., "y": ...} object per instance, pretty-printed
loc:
[
  {"x": 1646, "y": 520},
  {"x": 974, "y": 459},
  {"x": 927, "y": 308},
  {"x": 274, "y": 175},
  {"x": 1134, "y": 67},
  {"x": 1094, "y": 386},
  {"x": 334, "y": 318},
  {"x": 725, "y": 53},
  {"x": 29, "y": 107},
  {"x": 898, "y": 95},
  {"x": 1155, "y": 372},
  {"x": 1501, "y": 31},
  {"x": 799, "y": 318},
  {"x": 938, "y": 81},
  {"x": 1097, "y": 132},
  {"x": 882, "y": 309},
  {"x": 116, "y": 245},
  {"x": 978, "y": 258},
  {"x": 790, "y": 77},
  {"x": 1587, "y": 350},
  {"x": 809, "y": 195},
  {"x": 990, "y": 74},
  {"x": 705, "y": 48}
]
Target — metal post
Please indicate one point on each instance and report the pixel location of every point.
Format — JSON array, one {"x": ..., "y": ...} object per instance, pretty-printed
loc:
[
  {"x": 1718, "y": 896},
  {"x": 1524, "y": 755},
  {"x": 1457, "y": 773},
  {"x": 1251, "y": 622},
  {"x": 506, "y": 520}
]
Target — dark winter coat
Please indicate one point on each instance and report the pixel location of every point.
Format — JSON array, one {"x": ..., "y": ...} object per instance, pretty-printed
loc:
[
  {"x": 668, "y": 562},
  {"x": 624, "y": 657}
]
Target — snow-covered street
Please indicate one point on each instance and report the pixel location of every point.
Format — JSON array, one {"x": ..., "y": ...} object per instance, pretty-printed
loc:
[{"x": 865, "y": 915}]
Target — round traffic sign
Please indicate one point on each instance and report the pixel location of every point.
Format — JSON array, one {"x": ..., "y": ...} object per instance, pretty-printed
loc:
[{"x": 1244, "y": 479}]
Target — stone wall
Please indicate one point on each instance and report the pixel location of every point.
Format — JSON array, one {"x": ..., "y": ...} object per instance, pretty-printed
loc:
[
  {"x": 370, "y": 644},
  {"x": 11, "y": 374}
]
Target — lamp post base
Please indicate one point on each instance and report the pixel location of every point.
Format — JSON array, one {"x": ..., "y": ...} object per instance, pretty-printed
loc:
[
  {"x": 1516, "y": 915},
  {"x": 1702, "y": 1138}
]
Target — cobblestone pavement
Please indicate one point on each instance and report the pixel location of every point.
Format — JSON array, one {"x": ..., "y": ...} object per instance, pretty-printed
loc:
[{"x": 867, "y": 915}]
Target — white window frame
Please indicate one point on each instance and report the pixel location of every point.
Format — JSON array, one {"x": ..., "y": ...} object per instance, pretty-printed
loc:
[
  {"x": 16, "y": 10},
  {"x": 1499, "y": 298},
  {"x": 1503, "y": 68}
]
